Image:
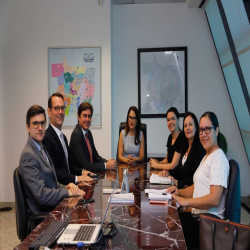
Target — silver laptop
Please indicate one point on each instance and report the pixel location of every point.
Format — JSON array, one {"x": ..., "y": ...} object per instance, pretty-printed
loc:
[{"x": 86, "y": 233}]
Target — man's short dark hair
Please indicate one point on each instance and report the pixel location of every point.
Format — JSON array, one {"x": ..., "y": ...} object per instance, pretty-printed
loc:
[
  {"x": 84, "y": 106},
  {"x": 50, "y": 99},
  {"x": 34, "y": 110}
]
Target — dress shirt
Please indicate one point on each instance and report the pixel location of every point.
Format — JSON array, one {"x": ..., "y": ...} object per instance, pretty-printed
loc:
[
  {"x": 84, "y": 132},
  {"x": 58, "y": 132}
]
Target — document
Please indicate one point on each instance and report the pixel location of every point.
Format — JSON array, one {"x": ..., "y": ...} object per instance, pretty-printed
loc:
[
  {"x": 156, "y": 179},
  {"x": 125, "y": 198},
  {"x": 156, "y": 191},
  {"x": 159, "y": 197}
]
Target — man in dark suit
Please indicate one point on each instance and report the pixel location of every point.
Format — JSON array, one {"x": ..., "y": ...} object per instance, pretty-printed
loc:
[
  {"x": 82, "y": 151},
  {"x": 56, "y": 144},
  {"x": 36, "y": 169}
]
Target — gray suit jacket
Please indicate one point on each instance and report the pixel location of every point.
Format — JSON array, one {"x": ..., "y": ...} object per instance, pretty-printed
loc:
[{"x": 41, "y": 188}]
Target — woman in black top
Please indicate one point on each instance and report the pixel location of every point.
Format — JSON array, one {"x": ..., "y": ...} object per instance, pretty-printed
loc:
[
  {"x": 174, "y": 143},
  {"x": 192, "y": 153}
]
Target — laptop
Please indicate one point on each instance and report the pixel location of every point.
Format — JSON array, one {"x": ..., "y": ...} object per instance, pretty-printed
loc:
[{"x": 86, "y": 233}]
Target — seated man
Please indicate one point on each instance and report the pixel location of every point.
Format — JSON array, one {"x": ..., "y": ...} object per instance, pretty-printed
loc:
[
  {"x": 56, "y": 144},
  {"x": 36, "y": 169},
  {"x": 82, "y": 151}
]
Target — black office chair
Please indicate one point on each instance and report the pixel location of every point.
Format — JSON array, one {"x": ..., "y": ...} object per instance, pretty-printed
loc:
[
  {"x": 143, "y": 128},
  {"x": 23, "y": 225},
  {"x": 233, "y": 201}
]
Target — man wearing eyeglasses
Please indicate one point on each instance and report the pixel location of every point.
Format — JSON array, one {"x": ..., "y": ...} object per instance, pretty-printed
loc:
[
  {"x": 82, "y": 151},
  {"x": 41, "y": 188},
  {"x": 56, "y": 144}
]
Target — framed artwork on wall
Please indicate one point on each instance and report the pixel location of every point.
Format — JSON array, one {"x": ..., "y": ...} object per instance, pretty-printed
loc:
[
  {"x": 75, "y": 72},
  {"x": 162, "y": 81}
]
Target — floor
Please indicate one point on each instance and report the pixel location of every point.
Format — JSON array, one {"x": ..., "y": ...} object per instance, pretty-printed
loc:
[{"x": 9, "y": 239}]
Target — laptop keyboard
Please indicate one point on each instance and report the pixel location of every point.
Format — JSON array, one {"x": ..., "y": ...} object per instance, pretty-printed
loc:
[
  {"x": 85, "y": 233},
  {"x": 49, "y": 236}
]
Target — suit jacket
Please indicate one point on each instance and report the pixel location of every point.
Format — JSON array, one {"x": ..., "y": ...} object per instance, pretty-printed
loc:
[
  {"x": 41, "y": 188},
  {"x": 55, "y": 149},
  {"x": 184, "y": 173},
  {"x": 79, "y": 153}
]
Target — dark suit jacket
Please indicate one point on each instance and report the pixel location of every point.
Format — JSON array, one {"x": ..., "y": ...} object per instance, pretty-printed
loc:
[
  {"x": 41, "y": 188},
  {"x": 184, "y": 174},
  {"x": 55, "y": 149},
  {"x": 79, "y": 153}
]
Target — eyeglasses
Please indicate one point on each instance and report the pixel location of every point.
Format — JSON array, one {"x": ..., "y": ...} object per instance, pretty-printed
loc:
[
  {"x": 36, "y": 124},
  {"x": 206, "y": 129},
  {"x": 131, "y": 118},
  {"x": 57, "y": 108}
]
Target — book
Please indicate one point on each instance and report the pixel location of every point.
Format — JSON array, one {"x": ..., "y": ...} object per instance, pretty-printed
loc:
[
  {"x": 156, "y": 179},
  {"x": 158, "y": 202}
]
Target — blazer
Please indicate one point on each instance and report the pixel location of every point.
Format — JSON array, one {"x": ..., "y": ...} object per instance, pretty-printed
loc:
[
  {"x": 184, "y": 173},
  {"x": 55, "y": 149},
  {"x": 79, "y": 153},
  {"x": 43, "y": 192}
]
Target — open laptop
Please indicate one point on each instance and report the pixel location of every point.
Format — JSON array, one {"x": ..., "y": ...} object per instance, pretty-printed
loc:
[{"x": 86, "y": 233}]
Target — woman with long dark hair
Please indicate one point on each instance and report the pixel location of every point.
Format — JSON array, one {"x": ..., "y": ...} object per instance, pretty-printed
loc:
[
  {"x": 192, "y": 153},
  {"x": 131, "y": 140},
  {"x": 208, "y": 193},
  {"x": 174, "y": 143}
]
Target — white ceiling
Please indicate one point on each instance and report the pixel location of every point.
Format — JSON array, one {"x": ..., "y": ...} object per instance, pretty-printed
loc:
[{"x": 190, "y": 3}]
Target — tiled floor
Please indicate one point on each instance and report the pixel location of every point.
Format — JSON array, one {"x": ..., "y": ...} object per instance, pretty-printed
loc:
[{"x": 9, "y": 239}]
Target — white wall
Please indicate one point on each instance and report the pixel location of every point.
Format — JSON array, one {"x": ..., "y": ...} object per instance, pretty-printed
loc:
[
  {"x": 28, "y": 28},
  {"x": 171, "y": 25}
]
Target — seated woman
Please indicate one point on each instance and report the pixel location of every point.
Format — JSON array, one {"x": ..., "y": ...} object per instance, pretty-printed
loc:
[
  {"x": 174, "y": 143},
  {"x": 131, "y": 140},
  {"x": 192, "y": 153},
  {"x": 208, "y": 193}
]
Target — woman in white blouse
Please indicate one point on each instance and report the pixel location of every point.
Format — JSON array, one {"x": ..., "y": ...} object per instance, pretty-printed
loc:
[{"x": 208, "y": 193}]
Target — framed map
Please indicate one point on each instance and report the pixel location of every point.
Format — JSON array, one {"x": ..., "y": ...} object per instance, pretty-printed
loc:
[
  {"x": 162, "y": 81},
  {"x": 76, "y": 74}
]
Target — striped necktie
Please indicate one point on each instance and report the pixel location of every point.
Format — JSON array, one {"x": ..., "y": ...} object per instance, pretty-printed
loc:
[{"x": 89, "y": 147}]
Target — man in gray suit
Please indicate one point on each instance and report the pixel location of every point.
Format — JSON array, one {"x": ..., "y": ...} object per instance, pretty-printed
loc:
[{"x": 36, "y": 169}]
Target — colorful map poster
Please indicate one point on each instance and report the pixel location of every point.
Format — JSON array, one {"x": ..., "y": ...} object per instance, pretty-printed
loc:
[{"x": 76, "y": 74}]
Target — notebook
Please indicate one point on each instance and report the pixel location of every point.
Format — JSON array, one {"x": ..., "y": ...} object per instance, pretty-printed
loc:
[{"x": 86, "y": 233}]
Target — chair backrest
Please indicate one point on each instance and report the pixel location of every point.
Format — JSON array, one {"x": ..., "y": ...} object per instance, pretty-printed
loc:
[
  {"x": 21, "y": 207},
  {"x": 143, "y": 128},
  {"x": 233, "y": 201}
]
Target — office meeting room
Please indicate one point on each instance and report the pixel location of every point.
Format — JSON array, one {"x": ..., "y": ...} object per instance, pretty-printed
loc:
[{"x": 125, "y": 124}]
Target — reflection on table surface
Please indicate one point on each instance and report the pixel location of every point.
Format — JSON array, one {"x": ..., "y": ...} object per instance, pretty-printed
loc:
[{"x": 140, "y": 226}]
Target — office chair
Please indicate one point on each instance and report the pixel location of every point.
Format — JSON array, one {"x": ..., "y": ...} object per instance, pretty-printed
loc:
[
  {"x": 233, "y": 200},
  {"x": 23, "y": 225},
  {"x": 143, "y": 128}
]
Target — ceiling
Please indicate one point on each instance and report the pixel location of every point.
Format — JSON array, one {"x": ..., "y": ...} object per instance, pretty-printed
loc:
[{"x": 190, "y": 3}]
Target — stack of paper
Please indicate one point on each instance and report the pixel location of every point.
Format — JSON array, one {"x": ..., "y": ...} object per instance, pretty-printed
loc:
[
  {"x": 156, "y": 179},
  {"x": 125, "y": 198},
  {"x": 159, "y": 197},
  {"x": 156, "y": 191}
]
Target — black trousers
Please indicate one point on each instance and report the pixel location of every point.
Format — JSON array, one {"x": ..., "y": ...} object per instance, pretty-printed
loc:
[{"x": 190, "y": 227}]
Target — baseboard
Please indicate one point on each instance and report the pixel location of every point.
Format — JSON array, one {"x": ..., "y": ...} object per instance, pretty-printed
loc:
[{"x": 7, "y": 204}]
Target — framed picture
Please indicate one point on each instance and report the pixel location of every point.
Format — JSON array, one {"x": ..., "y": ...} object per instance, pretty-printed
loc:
[
  {"x": 76, "y": 74},
  {"x": 162, "y": 81}
]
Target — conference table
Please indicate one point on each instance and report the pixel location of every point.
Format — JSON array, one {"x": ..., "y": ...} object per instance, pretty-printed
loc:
[{"x": 139, "y": 226}]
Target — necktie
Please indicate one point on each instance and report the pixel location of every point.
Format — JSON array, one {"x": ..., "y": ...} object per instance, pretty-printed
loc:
[
  {"x": 89, "y": 148},
  {"x": 64, "y": 149},
  {"x": 44, "y": 154}
]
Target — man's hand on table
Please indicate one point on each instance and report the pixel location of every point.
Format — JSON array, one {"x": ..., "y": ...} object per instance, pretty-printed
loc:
[
  {"x": 164, "y": 173},
  {"x": 111, "y": 164},
  {"x": 74, "y": 190},
  {"x": 84, "y": 178}
]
